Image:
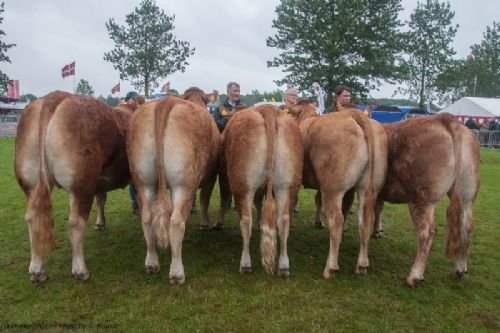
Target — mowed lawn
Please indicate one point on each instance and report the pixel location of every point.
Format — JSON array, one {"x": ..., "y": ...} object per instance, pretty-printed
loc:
[{"x": 121, "y": 297}]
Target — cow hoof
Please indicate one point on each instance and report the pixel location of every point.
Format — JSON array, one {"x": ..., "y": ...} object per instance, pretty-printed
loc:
[
  {"x": 413, "y": 281},
  {"x": 40, "y": 277},
  {"x": 245, "y": 270},
  {"x": 218, "y": 226},
  {"x": 284, "y": 272},
  {"x": 459, "y": 273},
  {"x": 329, "y": 273},
  {"x": 319, "y": 225},
  {"x": 204, "y": 227},
  {"x": 100, "y": 227},
  {"x": 360, "y": 270},
  {"x": 83, "y": 276},
  {"x": 180, "y": 280},
  {"x": 378, "y": 234},
  {"x": 152, "y": 269}
]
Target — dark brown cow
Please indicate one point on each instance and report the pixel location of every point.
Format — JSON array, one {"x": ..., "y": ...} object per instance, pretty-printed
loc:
[
  {"x": 172, "y": 144},
  {"x": 76, "y": 143},
  {"x": 262, "y": 154},
  {"x": 343, "y": 151},
  {"x": 430, "y": 157}
]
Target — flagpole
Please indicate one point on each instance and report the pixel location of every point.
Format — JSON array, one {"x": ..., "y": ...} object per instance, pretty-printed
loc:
[{"x": 74, "y": 76}]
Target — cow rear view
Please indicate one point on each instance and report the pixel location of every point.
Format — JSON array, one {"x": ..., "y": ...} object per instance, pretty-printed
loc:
[
  {"x": 263, "y": 155},
  {"x": 76, "y": 143},
  {"x": 173, "y": 144},
  {"x": 431, "y": 157}
]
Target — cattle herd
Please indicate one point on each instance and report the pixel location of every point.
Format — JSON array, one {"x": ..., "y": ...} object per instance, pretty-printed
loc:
[{"x": 171, "y": 147}]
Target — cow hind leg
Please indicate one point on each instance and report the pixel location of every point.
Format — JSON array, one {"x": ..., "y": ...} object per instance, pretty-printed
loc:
[
  {"x": 182, "y": 202},
  {"x": 378, "y": 230},
  {"x": 423, "y": 220},
  {"x": 100, "y": 201},
  {"x": 225, "y": 199},
  {"x": 317, "y": 200},
  {"x": 205, "y": 195},
  {"x": 79, "y": 211},
  {"x": 283, "y": 218},
  {"x": 244, "y": 203},
  {"x": 365, "y": 224},
  {"x": 466, "y": 229},
  {"x": 332, "y": 206},
  {"x": 257, "y": 201},
  {"x": 148, "y": 198}
]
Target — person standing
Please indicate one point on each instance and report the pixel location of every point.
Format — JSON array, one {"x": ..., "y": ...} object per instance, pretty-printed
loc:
[
  {"x": 320, "y": 96},
  {"x": 232, "y": 103},
  {"x": 342, "y": 98},
  {"x": 290, "y": 98}
]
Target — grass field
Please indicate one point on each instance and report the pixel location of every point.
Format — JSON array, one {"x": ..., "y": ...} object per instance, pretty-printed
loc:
[{"x": 121, "y": 297}]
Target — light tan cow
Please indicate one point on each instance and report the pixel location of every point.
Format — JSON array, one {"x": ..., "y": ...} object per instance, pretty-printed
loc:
[
  {"x": 76, "y": 143},
  {"x": 172, "y": 144},
  {"x": 430, "y": 157},
  {"x": 262, "y": 155},
  {"x": 343, "y": 151}
]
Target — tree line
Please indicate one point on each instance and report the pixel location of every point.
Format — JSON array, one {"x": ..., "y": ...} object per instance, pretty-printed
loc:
[{"x": 358, "y": 43}]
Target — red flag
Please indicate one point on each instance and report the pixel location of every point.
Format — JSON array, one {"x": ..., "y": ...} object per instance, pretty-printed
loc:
[
  {"x": 116, "y": 88},
  {"x": 13, "y": 89},
  {"x": 68, "y": 70},
  {"x": 166, "y": 87}
]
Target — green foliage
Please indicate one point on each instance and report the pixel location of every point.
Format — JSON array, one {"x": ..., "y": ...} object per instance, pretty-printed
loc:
[
  {"x": 478, "y": 75},
  {"x": 110, "y": 100},
  {"x": 83, "y": 88},
  {"x": 352, "y": 42},
  {"x": 429, "y": 47},
  {"x": 145, "y": 48},
  {"x": 27, "y": 97},
  {"x": 217, "y": 297},
  {"x": 256, "y": 96},
  {"x": 4, "y": 47}
]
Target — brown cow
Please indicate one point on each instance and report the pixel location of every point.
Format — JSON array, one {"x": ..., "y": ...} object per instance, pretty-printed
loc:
[
  {"x": 430, "y": 157},
  {"x": 343, "y": 151},
  {"x": 76, "y": 143},
  {"x": 262, "y": 154},
  {"x": 185, "y": 137}
]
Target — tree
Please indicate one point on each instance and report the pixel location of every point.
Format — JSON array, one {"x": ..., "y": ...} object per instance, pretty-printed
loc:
[
  {"x": 351, "y": 42},
  {"x": 145, "y": 49},
  {"x": 478, "y": 74},
  {"x": 83, "y": 88},
  {"x": 429, "y": 47},
  {"x": 4, "y": 47},
  {"x": 27, "y": 98},
  {"x": 110, "y": 100}
]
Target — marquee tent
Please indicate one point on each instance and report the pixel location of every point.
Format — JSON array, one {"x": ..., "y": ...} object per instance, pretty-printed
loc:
[{"x": 477, "y": 108}]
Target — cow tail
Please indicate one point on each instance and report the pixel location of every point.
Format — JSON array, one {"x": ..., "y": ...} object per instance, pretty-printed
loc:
[
  {"x": 39, "y": 213},
  {"x": 162, "y": 208},
  {"x": 454, "y": 213},
  {"x": 364, "y": 122},
  {"x": 268, "y": 238}
]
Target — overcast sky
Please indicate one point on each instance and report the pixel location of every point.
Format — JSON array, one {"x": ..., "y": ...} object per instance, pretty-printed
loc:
[{"x": 229, "y": 37}]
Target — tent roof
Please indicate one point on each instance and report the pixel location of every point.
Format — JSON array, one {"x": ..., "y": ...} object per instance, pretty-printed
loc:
[{"x": 474, "y": 107}]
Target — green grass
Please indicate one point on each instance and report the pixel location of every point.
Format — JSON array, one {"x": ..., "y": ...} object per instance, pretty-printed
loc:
[{"x": 216, "y": 298}]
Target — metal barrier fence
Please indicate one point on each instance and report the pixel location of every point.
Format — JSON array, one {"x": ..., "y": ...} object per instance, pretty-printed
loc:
[
  {"x": 488, "y": 139},
  {"x": 9, "y": 118}
]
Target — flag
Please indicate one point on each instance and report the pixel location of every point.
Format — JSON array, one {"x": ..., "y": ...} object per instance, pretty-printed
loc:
[
  {"x": 116, "y": 88},
  {"x": 68, "y": 70},
  {"x": 13, "y": 89},
  {"x": 471, "y": 56},
  {"x": 166, "y": 87}
]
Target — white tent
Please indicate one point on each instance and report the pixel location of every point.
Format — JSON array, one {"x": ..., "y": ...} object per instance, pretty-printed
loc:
[{"x": 478, "y": 108}]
